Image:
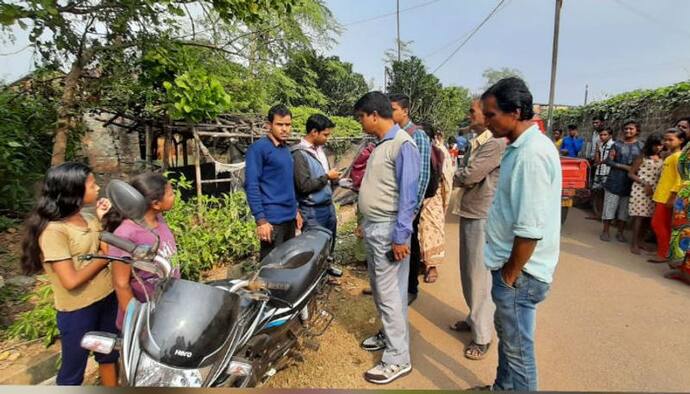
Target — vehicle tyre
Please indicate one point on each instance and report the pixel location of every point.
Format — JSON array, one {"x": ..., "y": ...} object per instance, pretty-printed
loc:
[{"x": 564, "y": 214}]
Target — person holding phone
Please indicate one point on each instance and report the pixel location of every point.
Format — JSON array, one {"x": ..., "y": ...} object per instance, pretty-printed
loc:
[
  {"x": 388, "y": 204},
  {"x": 313, "y": 176}
]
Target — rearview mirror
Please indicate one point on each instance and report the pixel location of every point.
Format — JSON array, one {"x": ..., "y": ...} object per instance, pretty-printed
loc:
[
  {"x": 100, "y": 342},
  {"x": 127, "y": 200}
]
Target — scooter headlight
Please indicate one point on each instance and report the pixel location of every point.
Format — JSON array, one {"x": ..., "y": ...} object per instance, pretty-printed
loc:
[{"x": 151, "y": 373}]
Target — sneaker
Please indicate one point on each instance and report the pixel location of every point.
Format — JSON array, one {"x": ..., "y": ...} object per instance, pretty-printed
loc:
[
  {"x": 374, "y": 343},
  {"x": 383, "y": 373}
]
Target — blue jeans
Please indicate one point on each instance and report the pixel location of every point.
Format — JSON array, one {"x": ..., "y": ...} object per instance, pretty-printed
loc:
[
  {"x": 323, "y": 216},
  {"x": 515, "y": 321}
]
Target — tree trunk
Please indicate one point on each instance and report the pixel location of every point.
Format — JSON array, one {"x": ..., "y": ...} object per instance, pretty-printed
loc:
[{"x": 65, "y": 119}]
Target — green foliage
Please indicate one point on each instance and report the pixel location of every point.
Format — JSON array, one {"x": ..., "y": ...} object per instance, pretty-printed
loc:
[
  {"x": 492, "y": 75},
  {"x": 344, "y": 126},
  {"x": 322, "y": 82},
  {"x": 630, "y": 105},
  {"x": 210, "y": 231},
  {"x": 7, "y": 223},
  {"x": 430, "y": 102},
  {"x": 26, "y": 123},
  {"x": 195, "y": 96},
  {"x": 452, "y": 109},
  {"x": 39, "y": 322}
]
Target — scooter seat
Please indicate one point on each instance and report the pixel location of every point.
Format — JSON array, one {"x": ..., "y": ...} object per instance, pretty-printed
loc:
[{"x": 307, "y": 253}]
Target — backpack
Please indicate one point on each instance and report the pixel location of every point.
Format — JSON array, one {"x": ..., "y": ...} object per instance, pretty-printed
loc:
[
  {"x": 436, "y": 167},
  {"x": 359, "y": 165}
]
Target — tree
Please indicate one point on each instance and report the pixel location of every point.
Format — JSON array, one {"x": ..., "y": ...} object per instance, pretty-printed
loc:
[
  {"x": 452, "y": 108},
  {"x": 87, "y": 36},
  {"x": 492, "y": 75},
  {"x": 410, "y": 77},
  {"x": 430, "y": 102},
  {"x": 322, "y": 82}
]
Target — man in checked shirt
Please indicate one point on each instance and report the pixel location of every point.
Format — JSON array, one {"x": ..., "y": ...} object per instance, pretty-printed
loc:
[{"x": 401, "y": 116}]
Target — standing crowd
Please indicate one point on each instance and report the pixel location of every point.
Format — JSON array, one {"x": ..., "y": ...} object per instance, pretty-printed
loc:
[
  {"x": 642, "y": 185},
  {"x": 510, "y": 180}
]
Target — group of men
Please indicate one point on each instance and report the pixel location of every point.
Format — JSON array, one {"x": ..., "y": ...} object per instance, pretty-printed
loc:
[{"x": 509, "y": 232}]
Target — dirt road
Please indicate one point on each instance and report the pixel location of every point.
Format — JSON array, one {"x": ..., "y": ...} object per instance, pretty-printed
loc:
[{"x": 610, "y": 323}]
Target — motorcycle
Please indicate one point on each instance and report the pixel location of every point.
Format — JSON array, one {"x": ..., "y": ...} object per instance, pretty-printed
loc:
[{"x": 225, "y": 333}]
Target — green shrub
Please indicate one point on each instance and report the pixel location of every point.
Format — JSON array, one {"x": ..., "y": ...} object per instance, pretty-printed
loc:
[
  {"x": 40, "y": 322},
  {"x": 344, "y": 126},
  {"x": 210, "y": 231}
]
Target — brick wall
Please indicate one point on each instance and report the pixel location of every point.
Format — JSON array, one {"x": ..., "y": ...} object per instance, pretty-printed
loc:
[{"x": 651, "y": 120}]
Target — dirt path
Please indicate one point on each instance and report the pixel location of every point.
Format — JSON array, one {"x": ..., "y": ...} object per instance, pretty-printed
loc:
[{"x": 610, "y": 323}]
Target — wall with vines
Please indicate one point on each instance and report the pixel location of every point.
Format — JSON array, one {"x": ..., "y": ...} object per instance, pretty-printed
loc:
[{"x": 655, "y": 109}]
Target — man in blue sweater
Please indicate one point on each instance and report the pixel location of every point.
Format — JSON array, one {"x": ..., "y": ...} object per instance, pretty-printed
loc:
[{"x": 269, "y": 183}]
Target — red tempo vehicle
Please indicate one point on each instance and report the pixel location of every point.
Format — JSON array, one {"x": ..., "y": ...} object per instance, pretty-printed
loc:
[{"x": 575, "y": 177}]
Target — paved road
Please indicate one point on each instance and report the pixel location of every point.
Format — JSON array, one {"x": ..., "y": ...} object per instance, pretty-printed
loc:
[{"x": 610, "y": 323}]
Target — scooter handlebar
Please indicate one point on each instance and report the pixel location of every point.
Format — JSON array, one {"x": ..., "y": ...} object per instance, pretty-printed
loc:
[{"x": 114, "y": 240}]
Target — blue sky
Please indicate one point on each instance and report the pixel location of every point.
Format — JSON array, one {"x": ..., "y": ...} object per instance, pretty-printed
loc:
[{"x": 612, "y": 45}]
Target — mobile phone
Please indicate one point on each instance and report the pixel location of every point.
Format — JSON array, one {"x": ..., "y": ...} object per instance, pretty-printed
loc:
[{"x": 391, "y": 256}]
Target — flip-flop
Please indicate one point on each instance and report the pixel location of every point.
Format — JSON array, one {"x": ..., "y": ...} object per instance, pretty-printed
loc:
[
  {"x": 655, "y": 261},
  {"x": 461, "y": 326},
  {"x": 481, "y": 351},
  {"x": 428, "y": 277}
]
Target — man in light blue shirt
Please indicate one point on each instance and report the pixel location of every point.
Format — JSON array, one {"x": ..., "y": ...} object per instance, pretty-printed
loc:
[{"x": 523, "y": 231}]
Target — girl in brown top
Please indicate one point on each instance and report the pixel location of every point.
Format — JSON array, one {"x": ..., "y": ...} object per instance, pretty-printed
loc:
[{"x": 57, "y": 233}]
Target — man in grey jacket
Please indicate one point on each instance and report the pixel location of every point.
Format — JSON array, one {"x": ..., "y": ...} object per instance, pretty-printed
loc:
[{"x": 478, "y": 179}]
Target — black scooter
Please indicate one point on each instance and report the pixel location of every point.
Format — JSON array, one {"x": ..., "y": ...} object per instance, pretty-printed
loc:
[{"x": 228, "y": 333}]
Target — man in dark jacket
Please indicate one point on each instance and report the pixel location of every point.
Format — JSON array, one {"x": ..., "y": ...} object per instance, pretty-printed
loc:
[{"x": 313, "y": 175}]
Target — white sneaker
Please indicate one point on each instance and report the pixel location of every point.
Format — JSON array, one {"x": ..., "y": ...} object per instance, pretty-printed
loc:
[{"x": 383, "y": 373}]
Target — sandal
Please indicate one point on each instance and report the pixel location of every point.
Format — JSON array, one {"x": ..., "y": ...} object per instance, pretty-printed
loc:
[
  {"x": 657, "y": 260},
  {"x": 461, "y": 326},
  {"x": 431, "y": 275},
  {"x": 475, "y": 351}
]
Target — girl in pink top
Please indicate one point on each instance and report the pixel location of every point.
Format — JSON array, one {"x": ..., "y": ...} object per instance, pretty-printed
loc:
[{"x": 159, "y": 194}]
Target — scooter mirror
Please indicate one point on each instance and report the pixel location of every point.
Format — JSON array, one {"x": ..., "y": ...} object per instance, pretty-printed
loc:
[{"x": 127, "y": 200}]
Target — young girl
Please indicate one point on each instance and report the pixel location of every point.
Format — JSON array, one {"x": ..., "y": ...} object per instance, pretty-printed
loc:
[
  {"x": 57, "y": 233},
  {"x": 159, "y": 194},
  {"x": 645, "y": 173},
  {"x": 665, "y": 194}
]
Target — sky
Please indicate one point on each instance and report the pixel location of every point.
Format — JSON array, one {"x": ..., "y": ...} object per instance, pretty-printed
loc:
[{"x": 613, "y": 46}]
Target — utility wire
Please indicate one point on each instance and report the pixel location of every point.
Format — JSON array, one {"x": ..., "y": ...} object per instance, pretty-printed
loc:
[
  {"x": 450, "y": 43},
  {"x": 652, "y": 19},
  {"x": 373, "y": 18},
  {"x": 491, "y": 14}
]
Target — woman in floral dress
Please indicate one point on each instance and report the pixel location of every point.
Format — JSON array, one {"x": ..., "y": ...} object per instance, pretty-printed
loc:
[
  {"x": 680, "y": 236},
  {"x": 644, "y": 172}
]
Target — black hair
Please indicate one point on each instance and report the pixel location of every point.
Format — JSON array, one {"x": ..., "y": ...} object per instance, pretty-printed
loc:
[
  {"x": 599, "y": 118},
  {"x": 61, "y": 196},
  {"x": 607, "y": 129},
  {"x": 151, "y": 185},
  {"x": 634, "y": 123},
  {"x": 685, "y": 119},
  {"x": 402, "y": 99},
  {"x": 680, "y": 134},
  {"x": 375, "y": 102},
  {"x": 572, "y": 127},
  {"x": 430, "y": 130},
  {"x": 319, "y": 123},
  {"x": 654, "y": 139},
  {"x": 511, "y": 95},
  {"x": 280, "y": 110}
]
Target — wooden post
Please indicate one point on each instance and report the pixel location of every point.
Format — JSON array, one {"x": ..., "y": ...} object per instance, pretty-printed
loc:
[
  {"x": 166, "y": 148},
  {"x": 197, "y": 164},
  {"x": 185, "y": 151},
  {"x": 554, "y": 63},
  {"x": 147, "y": 144}
]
